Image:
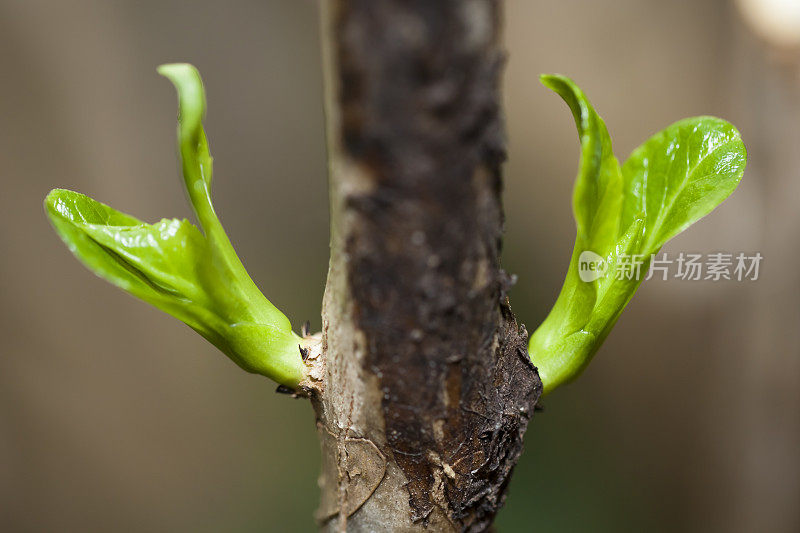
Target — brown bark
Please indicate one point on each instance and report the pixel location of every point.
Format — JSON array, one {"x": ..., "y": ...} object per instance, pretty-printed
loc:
[{"x": 424, "y": 384}]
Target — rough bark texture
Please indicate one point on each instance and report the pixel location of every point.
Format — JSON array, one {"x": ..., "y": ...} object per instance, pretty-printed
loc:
[{"x": 425, "y": 386}]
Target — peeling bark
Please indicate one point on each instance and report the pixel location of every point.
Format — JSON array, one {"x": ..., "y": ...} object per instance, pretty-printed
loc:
[{"x": 424, "y": 387}]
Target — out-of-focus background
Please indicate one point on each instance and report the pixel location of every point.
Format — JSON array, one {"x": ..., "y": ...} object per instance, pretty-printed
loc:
[{"x": 114, "y": 417}]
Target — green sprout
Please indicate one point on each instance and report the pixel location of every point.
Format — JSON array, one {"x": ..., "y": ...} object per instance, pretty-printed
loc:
[
  {"x": 192, "y": 275},
  {"x": 621, "y": 212},
  {"x": 667, "y": 184}
]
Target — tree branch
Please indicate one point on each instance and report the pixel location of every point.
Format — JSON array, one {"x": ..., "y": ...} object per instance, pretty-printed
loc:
[{"x": 427, "y": 386}]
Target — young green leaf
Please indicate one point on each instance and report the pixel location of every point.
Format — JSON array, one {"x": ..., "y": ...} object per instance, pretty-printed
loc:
[
  {"x": 597, "y": 197},
  {"x": 197, "y": 171},
  {"x": 196, "y": 277},
  {"x": 681, "y": 174},
  {"x": 623, "y": 217}
]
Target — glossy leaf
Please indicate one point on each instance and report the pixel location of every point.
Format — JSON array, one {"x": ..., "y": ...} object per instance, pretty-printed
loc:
[
  {"x": 624, "y": 216},
  {"x": 681, "y": 174},
  {"x": 197, "y": 172},
  {"x": 597, "y": 196},
  {"x": 115, "y": 246},
  {"x": 196, "y": 277}
]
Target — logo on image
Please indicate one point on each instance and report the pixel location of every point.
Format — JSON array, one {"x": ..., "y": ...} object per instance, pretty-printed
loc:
[{"x": 591, "y": 266}]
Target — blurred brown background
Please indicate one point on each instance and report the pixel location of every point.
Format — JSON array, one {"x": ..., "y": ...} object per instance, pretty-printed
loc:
[{"x": 114, "y": 417}]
